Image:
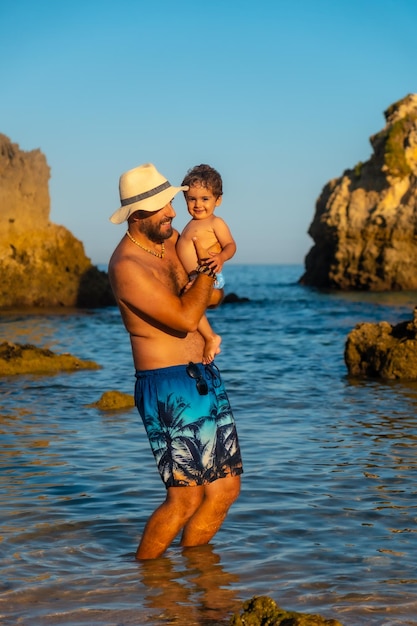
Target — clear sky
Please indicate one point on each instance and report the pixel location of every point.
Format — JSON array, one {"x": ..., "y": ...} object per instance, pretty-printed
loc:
[{"x": 279, "y": 95}]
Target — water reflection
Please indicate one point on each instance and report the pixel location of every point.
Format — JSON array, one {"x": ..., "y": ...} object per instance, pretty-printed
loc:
[{"x": 193, "y": 590}]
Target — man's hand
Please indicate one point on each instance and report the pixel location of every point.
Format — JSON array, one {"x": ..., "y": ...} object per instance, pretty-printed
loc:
[
  {"x": 215, "y": 261},
  {"x": 203, "y": 255}
]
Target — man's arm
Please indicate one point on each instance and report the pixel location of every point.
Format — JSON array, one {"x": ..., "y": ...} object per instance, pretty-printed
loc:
[{"x": 137, "y": 289}]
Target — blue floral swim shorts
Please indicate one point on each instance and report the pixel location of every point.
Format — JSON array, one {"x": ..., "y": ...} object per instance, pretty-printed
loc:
[{"x": 189, "y": 423}]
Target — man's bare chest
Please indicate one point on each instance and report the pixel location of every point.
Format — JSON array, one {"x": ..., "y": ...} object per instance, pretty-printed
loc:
[{"x": 173, "y": 276}]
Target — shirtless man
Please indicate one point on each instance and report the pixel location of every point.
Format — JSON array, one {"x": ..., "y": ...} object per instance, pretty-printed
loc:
[{"x": 183, "y": 403}]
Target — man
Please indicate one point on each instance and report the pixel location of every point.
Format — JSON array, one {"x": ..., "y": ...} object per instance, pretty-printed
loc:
[{"x": 183, "y": 404}]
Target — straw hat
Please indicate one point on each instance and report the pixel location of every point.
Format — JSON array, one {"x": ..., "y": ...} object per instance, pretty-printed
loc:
[{"x": 143, "y": 189}]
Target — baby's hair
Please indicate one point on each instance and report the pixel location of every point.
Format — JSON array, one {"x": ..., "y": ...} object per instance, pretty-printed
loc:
[{"x": 207, "y": 177}]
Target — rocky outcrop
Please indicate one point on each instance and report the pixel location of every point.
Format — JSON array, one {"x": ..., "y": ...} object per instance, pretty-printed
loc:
[
  {"x": 41, "y": 264},
  {"x": 27, "y": 359},
  {"x": 114, "y": 400},
  {"x": 383, "y": 350},
  {"x": 365, "y": 224},
  {"x": 233, "y": 298}
]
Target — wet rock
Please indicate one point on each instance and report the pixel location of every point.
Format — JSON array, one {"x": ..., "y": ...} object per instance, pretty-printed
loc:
[
  {"x": 383, "y": 350},
  {"x": 365, "y": 223},
  {"x": 113, "y": 400},
  {"x": 263, "y": 611},
  {"x": 29, "y": 359}
]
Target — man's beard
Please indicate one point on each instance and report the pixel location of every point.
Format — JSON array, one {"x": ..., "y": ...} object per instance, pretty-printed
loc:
[{"x": 153, "y": 231}]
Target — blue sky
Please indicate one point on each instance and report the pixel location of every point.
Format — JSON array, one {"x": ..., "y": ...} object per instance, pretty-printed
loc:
[{"x": 279, "y": 95}]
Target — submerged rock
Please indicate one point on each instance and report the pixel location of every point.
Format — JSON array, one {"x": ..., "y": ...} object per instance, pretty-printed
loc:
[
  {"x": 264, "y": 611},
  {"x": 41, "y": 264},
  {"x": 28, "y": 359},
  {"x": 365, "y": 224},
  {"x": 383, "y": 350}
]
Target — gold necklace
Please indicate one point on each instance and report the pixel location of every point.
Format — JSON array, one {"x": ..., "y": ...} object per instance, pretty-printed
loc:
[{"x": 160, "y": 255}]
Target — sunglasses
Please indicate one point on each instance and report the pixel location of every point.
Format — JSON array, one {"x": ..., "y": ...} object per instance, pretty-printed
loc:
[{"x": 193, "y": 371}]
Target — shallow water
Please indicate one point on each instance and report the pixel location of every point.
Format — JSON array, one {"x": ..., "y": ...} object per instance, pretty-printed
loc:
[{"x": 327, "y": 518}]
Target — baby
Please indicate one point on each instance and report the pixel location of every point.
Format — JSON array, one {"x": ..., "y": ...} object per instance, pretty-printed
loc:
[{"x": 203, "y": 196}]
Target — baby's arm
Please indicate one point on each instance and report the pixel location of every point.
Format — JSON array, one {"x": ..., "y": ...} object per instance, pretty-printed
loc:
[{"x": 228, "y": 244}]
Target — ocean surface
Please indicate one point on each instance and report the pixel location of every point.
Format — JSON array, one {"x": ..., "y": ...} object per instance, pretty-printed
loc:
[{"x": 327, "y": 518}]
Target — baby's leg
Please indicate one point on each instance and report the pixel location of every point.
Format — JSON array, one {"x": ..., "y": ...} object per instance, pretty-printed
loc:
[{"x": 211, "y": 339}]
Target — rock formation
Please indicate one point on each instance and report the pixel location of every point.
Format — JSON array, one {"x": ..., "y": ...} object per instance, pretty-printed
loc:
[
  {"x": 233, "y": 298},
  {"x": 264, "y": 611},
  {"x": 41, "y": 264},
  {"x": 27, "y": 359},
  {"x": 381, "y": 350},
  {"x": 114, "y": 400},
  {"x": 365, "y": 224}
]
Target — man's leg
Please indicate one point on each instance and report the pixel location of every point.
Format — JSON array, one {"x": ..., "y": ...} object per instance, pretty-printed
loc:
[
  {"x": 168, "y": 519},
  {"x": 209, "y": 516}
]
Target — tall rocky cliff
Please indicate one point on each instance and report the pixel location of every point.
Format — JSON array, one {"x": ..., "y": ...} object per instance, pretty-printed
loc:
[
  {"x": 365, "y": 225},
  {"x": 41, "y": 264}
]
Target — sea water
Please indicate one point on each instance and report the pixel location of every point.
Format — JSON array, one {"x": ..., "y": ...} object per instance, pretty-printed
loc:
[{"x": 327, "y": 518}]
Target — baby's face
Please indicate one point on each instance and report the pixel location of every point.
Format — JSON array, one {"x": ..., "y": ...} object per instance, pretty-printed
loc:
[{"x": 201, "y": 202}]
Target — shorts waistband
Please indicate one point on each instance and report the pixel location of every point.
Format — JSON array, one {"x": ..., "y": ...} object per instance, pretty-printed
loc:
[{"x": 172, "y": 369}]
